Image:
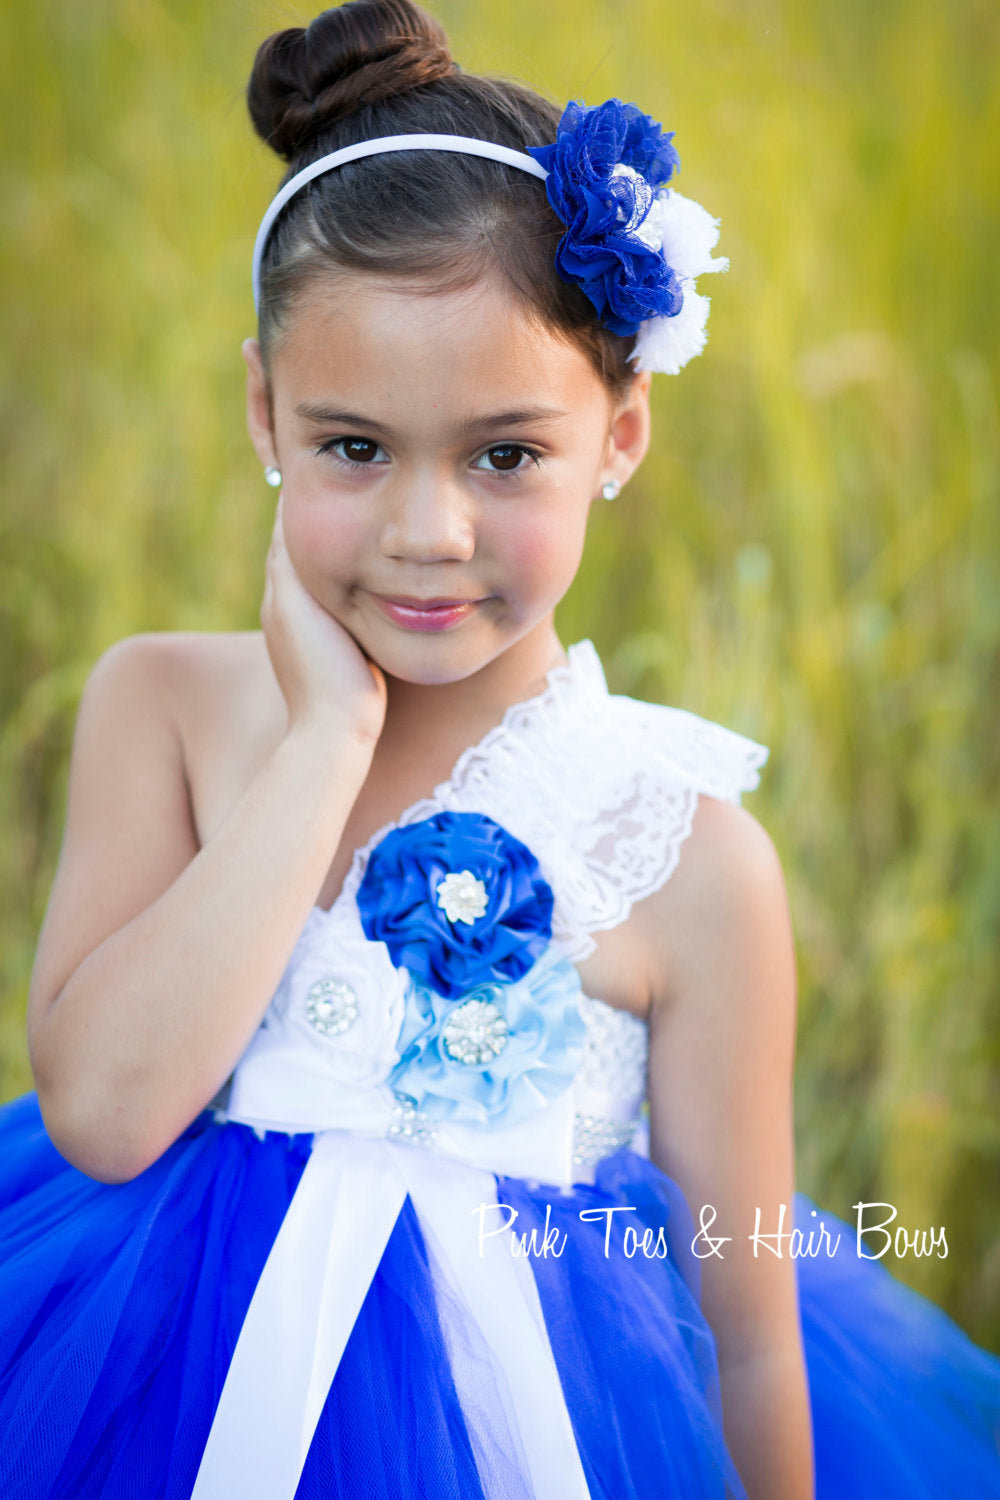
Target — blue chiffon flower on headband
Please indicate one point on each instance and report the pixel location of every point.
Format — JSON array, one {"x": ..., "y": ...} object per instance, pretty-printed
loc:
[
  {"x": 458, "y": 901},
  {"x": 606, "y": 169}
]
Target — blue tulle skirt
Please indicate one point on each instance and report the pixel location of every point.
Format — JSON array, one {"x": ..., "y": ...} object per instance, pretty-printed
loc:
[{"x": 120, "y": 1306}]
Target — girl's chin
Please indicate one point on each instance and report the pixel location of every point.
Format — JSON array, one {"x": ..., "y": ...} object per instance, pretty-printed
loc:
[
  {"x": 434, "y": 660},
  {"x": 428, "y": 674}
]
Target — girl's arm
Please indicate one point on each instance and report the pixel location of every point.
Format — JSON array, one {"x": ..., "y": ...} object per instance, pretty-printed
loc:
[
  {"x": 156, "y": 960},
  {"x": 721, "y": 1056}
]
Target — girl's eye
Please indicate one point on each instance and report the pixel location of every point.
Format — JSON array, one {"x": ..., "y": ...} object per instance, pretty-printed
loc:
[
  {"x": 505, "y": 458},
  {"x": 353, "y": 450}
]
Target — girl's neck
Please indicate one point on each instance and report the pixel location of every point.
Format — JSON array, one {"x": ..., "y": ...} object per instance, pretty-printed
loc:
[{"x": 464, "y": 710}]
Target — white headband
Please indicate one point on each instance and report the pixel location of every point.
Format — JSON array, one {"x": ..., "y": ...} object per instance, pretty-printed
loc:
[
  {"x": 467, "y": 145},
  {"x": 668, "y": 321}
]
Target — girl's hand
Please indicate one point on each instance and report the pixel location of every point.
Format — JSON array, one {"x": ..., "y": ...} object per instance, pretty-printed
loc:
[{"x": 325, "y": 677}]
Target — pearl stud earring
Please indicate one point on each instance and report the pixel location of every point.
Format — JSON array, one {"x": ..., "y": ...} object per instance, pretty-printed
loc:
[
  {"x": 611, "y": 490},
  {"x": 273, "y": 476}
]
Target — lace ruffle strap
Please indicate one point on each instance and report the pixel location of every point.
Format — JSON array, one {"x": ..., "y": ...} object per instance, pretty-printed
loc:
[{"x": 603, "y": 789}]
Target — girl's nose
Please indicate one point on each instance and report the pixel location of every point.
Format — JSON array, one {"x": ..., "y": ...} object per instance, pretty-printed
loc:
[{"x": 428, "y": 520}]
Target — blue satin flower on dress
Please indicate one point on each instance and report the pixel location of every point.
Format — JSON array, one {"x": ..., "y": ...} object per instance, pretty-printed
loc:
[
  {"x": 498, "y": 1056},
  {"x": 458, "y": 901},
  {"x": 605, "y": 170}
]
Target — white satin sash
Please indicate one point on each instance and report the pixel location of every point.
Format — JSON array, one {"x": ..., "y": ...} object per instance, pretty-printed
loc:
[{"x": 311, "y": 1291}]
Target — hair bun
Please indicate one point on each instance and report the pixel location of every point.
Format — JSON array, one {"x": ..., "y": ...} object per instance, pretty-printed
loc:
[{"x": 304, "y": 80}]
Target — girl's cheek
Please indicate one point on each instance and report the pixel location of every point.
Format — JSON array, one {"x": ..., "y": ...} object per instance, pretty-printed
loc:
[
  {"x": 323, "y": 532},
  {"x": 547, "y": 553}
]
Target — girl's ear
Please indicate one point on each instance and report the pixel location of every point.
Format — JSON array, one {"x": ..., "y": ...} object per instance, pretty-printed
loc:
[
  {"x": 628, "y": 439},
  {"x": 259, "y": 406}
]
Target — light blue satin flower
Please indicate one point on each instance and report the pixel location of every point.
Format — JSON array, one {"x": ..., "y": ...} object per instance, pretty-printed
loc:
[{"x": 497, "y": 1055}]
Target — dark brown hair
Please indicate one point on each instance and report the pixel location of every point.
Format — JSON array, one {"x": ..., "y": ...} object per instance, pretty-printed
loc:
[{"x": 383, "y": 67}]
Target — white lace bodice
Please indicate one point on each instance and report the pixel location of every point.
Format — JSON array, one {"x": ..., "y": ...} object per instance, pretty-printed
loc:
[{"x": 602, "y": 790}]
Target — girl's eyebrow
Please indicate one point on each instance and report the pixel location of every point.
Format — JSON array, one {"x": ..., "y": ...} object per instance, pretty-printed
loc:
[
  {"x": 332, "y": 416},
  {"x": 517, "y": 418}
]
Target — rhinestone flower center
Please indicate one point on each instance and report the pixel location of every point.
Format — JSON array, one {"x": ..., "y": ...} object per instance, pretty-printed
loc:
[
  {"x": 331, "y": 1006},
  {"x": 647, "y": 224},
  {"x": 475, "y": 1033},
  {"x": 462, "y": 897}
]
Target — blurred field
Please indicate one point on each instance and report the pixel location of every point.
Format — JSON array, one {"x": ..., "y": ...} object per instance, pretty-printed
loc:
[{"x": 811, "y": 554}]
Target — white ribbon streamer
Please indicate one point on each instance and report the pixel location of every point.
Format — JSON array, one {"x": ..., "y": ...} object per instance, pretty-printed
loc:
[
  {"x": 311, "y": 1291},
  {"x": 299, "y": 1320}
]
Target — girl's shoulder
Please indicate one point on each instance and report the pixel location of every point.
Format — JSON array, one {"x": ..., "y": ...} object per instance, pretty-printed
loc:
[
  {"x": 186, "y": 663},
  {"x": 212, "y": 693},
  {"x": 182, "y": 663},
  {"x": 169, "y": 730},
  {"x": 152, "y": 753},
  {"x": 178, "y": 720}
]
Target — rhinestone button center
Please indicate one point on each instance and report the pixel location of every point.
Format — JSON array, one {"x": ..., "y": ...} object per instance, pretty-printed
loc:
[
  {"x": 331, "y": 1006},
  {"x": 475, "y": 1033}
]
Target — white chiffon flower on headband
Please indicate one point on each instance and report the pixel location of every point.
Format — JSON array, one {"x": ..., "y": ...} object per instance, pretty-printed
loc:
[
  {"x": 633, "y": 245},
  {"x": 688, "y": 234}
]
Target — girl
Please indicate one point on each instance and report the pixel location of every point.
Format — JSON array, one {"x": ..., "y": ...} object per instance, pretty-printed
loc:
[{"x": 373, "y": 931}]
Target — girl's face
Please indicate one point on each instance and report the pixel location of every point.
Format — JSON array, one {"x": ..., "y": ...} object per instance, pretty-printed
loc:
[{"x": 439, "y": 454}]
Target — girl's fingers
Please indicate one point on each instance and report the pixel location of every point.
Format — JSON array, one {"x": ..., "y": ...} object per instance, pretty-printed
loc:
[{"x": 277, "y": 546}]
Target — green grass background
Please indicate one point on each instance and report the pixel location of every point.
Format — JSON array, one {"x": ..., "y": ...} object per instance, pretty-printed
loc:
[{"x": 810, "y": 553}]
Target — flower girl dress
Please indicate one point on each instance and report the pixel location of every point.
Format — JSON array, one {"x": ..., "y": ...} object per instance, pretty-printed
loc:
[{"x": 344, "y": 1280}]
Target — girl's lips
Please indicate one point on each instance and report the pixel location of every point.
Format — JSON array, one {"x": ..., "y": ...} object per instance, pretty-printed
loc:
[{"x": 426, "y": 614}]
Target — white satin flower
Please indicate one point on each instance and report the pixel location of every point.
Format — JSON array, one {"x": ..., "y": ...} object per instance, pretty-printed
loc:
[{"x": 344, "y": 994}]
